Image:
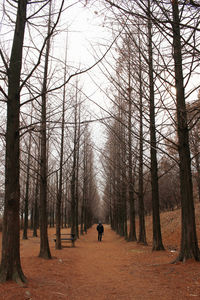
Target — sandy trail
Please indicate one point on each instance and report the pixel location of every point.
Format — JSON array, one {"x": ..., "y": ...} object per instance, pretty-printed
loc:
[{"x": 111, "y": 269}]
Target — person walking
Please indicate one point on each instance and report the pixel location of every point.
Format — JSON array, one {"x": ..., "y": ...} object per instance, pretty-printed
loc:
[{"x": 100, "y": 230}]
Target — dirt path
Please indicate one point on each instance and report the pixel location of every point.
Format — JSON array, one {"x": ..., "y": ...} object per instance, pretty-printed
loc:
[{"x": 111, "y": 269}]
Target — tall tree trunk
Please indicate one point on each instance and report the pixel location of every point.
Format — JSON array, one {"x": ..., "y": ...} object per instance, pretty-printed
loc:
[
  {"x": 73, "y": 178},
  {"x": 157, "y": 238},
  {"x": 77, "y": 179},
  {"x": 142, "y": 231},
  {"x": 189, "y": 245},
  {"x": 10, "y": 268},
  {"x": 85, "y": 185},
  {"x": 73, "y": 195},
  {"x": 36, "y": 196},
  {"x": 60, "y": 183},
  {"x": 110, "y": 196},
  {"x": 35, "y": 210},
  {"x": 132, "y": 231},
  {"x": 44, "y": 243}
]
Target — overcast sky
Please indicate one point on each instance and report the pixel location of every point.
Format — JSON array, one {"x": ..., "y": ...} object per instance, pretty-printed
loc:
[{"x": 87, "y": 40}]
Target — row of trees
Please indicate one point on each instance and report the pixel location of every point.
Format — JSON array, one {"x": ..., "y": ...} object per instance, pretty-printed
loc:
[
  {"x": 49, "y": 161},
  {"x": 152, "y": 143}
]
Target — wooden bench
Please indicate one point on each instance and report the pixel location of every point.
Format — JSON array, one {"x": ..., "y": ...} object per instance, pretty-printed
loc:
[{"x": 68, "y": 237}]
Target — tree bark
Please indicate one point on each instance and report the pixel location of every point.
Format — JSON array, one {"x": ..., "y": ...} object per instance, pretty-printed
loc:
[{"x": 10, "y": 262}]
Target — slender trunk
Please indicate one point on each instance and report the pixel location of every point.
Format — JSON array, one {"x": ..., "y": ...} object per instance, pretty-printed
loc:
[
  {"x": 65, "y": 206},
  {"x": 110, "y": 198},
  {"x": 73, "y": 179},
  {"x": 26, "y": 202},
  {"x": 85, "y": 187},
  {"x": 124, "y": 192},
  {"x": 60, "y": 184},
  {"x": 35, "y": 213},
  {"x": 73, "y": 195},
  {"x": 132, "y": 231},
  {"x": 73, "y": 201},
  {"x": 157, "y": 238},
  {"x": 142, "y": 231},
  {"x": 44, "y": 243},
  {"x": 77, "y": 180}
]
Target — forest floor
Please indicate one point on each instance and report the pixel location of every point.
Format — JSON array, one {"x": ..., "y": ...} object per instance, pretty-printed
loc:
[{"x": 111, "y": 269}]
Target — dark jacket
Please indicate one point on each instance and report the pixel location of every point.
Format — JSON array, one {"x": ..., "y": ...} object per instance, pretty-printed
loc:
[{"x": 100, "y": 228}]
